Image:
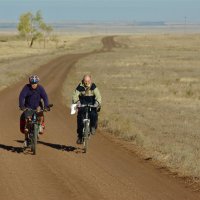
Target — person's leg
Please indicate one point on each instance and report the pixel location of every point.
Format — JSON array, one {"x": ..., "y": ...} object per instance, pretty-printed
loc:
[
  {"x": 27, "y": 115},
  {"x": 79, "y": 126},
  {"x": 41, "y": 121},
  {"x": 22, "y": 123},
  {"x": 93, "y": 120}
]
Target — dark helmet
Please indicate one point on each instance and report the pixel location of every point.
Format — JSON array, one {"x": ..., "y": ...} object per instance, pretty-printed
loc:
[{"x": 34, "y": 79}]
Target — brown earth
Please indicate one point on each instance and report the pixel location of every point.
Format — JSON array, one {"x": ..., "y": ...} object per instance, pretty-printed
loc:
[{"x": 60, "y": 170}]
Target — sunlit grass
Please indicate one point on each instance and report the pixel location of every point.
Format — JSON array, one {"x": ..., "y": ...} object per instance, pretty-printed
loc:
[{"x": 151, "y": 95}]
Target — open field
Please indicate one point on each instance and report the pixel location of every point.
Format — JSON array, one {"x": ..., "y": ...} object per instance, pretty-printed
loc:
[
  {"x": 151, "y": 97},
  {"x": 12, "y": 46},
  {"x": 18, "y": 60},
  {"x": 108, "y": 170},
  {"x": 149, "y": 83}
]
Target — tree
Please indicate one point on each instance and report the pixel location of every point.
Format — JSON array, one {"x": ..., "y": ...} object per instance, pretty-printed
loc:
[
  {"x": 32, "y": 27},
  {"x": 46, "y": 31},
  {"x": 25, "y": 25}
]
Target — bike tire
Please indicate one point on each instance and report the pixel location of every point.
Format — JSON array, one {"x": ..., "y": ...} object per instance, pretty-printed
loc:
[
  {"x": 34, "y": 144},
  {"x": 86, "y": 137}
]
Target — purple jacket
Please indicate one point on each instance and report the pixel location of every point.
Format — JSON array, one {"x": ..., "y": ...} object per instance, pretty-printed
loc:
[{"x": 31, "y": 98}]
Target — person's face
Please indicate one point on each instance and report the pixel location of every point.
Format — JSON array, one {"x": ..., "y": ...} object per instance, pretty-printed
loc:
[
  {"x": 34, "y": 86},
  {"x": 87, "y": 81}
]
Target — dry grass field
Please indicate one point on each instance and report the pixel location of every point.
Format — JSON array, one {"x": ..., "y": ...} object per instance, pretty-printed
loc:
[
  {"x": 150, "y": 88},
  {"x": 151, "y": 96},
  {"x": 12, "y": 46},
  {"x": 18, "y": 60}
]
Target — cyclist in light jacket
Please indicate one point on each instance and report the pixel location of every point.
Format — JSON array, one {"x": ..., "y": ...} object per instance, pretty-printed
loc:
[{"x": 87, "y": 93}]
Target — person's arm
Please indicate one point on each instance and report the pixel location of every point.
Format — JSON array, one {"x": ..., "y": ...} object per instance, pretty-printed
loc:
[
  {"x": 97, "y": 95},
  {"x": 75, "y": 96},
  {"x": 44, "y": 96},
  {"x": 22, "y": 97}
]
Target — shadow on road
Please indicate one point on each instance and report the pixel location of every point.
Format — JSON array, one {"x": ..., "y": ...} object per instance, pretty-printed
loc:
[
  {"x": 54, "y": 146},
  {"x": 58, "y": 146},
  {"x": 11, "y": 148}
]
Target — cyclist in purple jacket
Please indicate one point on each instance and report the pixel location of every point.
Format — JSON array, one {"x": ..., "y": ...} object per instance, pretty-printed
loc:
[{"x": 31, "y": 97}]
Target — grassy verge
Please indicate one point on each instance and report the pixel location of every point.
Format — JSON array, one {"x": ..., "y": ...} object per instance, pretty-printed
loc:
[{"x": 151, "y": 96}]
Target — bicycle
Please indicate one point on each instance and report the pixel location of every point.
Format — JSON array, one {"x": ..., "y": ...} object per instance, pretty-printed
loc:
[
  {"x": 33, "y": 126},
  {"x": 86, "y": 125}
]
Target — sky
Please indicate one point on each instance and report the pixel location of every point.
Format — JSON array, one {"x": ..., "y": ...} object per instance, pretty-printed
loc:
[{"x": 104, "y": 10}]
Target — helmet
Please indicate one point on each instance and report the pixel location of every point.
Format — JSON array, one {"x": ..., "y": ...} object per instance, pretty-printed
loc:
[{"x": 33, "y": 79}]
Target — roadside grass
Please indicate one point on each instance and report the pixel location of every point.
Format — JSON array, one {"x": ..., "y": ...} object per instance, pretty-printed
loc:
[{"x": 151, "y": 96}]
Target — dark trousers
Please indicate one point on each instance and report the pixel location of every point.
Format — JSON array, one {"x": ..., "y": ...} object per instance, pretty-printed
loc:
[
  {"x": 93, "y": 116},
  {"x": 23, "y": 119},
  {"x": 28, "y": 114}
]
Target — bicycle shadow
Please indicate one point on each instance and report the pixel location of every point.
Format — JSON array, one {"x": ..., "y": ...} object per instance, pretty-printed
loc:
[
  {"x": 58, "y": 146},
  {"x": 55, "y": 146},
  {"x": 11, "y": 148}
]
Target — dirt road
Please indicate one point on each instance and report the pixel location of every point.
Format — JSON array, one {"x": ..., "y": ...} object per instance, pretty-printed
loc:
[{"x": 60, "y": 170}]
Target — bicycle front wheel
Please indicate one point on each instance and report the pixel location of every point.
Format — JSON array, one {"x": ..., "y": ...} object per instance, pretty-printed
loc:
[
  {"x": 86, "y": 137},
  {"x": 34, "y": 144}
]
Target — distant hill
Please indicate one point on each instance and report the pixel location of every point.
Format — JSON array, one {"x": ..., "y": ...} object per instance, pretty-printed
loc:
[
  {"x": 60, "y": 25},
  {"x": 112, "y": 27}
]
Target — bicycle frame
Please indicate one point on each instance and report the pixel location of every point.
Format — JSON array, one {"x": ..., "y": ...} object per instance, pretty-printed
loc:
[
  {"x": 33, "y": 127},
  {"x": 86, "y": 125},
  {"x": 33, "y": 130}
]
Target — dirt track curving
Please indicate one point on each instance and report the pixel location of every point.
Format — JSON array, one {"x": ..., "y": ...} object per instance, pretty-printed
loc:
[{"x": 60, "y": 170}]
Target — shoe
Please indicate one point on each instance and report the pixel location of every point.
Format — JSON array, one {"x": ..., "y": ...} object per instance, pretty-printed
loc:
[
  {"x": 41, "y": 129},
  {"x": 93, "y": 130},
  {"x": 26, "y": 142},
  {"x": 79, "y": 141}
]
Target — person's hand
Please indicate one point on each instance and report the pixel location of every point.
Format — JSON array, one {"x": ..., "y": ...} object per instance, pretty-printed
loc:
[
  {"x": 38, "y": 109},
  {"x": 78, "y": 103},
  {"x": 96, "y": 104},
  {"x": 22, "y": 108},
  {"x": 47, "y": 109}
]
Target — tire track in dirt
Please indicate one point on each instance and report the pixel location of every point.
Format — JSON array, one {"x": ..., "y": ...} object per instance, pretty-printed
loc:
[{"x": 60, "y": 170}]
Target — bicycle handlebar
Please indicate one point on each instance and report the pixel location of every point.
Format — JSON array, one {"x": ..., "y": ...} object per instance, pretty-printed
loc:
[
  {"x": 86, "y": 105},
  {"x": 42, "y": 110}
]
